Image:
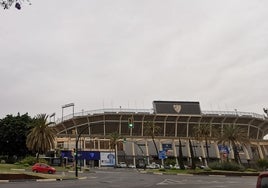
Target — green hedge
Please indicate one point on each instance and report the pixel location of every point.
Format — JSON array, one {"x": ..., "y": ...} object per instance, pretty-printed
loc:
[
  {"x": 30, "y": 160},
  {"x": 228, "y": 166}
]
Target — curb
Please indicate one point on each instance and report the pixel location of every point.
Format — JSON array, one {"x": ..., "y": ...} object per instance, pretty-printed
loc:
[{"x": 40, "y": 180}]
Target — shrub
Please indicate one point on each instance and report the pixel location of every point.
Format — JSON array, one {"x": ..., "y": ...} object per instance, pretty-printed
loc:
[
  {"x": 43, "y": 161},
  {"x": 29, "y": 160},
  {"x": 207, "y": 169},
  {"x": 169, "y": 162},
  {"x": 262, "y": 164},
  {"x": 229, "y": 166}
]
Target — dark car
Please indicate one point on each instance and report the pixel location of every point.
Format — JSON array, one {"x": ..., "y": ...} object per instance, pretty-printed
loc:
[
  {"x": 43, "y": 168},
  {"x": 262, "y": 181}
]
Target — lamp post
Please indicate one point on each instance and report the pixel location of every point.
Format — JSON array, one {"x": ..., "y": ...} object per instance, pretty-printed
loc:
[
  {"x": 76, "y": 150},
  {"x": 66, "y": 106}
]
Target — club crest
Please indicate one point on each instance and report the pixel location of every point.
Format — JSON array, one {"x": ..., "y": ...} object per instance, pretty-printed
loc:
[{"x": 177, "y": 108}]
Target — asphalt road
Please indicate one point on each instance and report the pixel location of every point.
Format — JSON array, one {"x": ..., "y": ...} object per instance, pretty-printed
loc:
[{"x": 130, "y": 178}]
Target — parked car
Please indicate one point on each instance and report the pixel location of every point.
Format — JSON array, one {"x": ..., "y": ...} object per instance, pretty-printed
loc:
[
  {"x": 153, "y": 166},
  {"x": 122, "y": 165},
  {"x": 178, "y": 167},
  {"x": 262, "y": 181},
  {"x": 43, "y": 168},
  {"x": 131, "y": 166},
  {"x": 141, "y": 165}
]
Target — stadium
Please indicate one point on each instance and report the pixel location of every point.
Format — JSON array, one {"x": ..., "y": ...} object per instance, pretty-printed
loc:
[{"x": 90, "y": 132}]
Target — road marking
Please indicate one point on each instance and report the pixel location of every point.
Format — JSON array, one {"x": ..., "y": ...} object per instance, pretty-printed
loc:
[
  {"x": 43, "y": 180},
  {"x": 170, "y": 181}
]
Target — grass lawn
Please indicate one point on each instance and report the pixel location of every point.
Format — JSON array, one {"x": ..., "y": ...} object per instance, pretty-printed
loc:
[
  {"x": 21, "y": 169},
  {"x": 10, "y": 167}
]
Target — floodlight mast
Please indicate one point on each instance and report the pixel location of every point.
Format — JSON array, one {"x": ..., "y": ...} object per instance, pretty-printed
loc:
[{"x": 66, "y": 106}]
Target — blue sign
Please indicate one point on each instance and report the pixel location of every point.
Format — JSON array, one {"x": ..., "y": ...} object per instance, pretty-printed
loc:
[
  {"x": 89, "y": 155},
  {"x": 162, "y": 154},
  {"x": 66, "y": 153},
  {"x": 167, "y": 147},
  {"x": 223, "y": 149}
]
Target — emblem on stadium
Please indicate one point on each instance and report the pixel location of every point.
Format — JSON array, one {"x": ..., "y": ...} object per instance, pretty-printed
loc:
[{"x": 177, "y": 108}]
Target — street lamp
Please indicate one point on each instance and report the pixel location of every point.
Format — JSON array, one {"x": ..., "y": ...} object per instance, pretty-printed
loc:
[
  {"x": 66, "y": 106},
  {"x": 76, "y": 150}
]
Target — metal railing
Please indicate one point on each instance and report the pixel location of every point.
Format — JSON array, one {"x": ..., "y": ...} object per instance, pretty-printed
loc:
[
  {"x": 106, "y": 111},
  {"x": 234, "y": 113},
  {"x": 150, "y": 111}
]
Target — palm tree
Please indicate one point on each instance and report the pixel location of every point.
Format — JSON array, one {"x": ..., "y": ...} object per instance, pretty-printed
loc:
[
  {"x": 233, "y": 135},
  {"x": 115, "y": 139},
  {"x": 151, "y": 129},
  {"x": 192, "y": 155},
  {"x": 41, "y": 137},
  {"x": 204, "y": 132},
  {"x": 181, "y": 164}
]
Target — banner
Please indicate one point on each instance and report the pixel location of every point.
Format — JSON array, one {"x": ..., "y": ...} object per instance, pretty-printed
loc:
[{"x": 107, "y": 158}]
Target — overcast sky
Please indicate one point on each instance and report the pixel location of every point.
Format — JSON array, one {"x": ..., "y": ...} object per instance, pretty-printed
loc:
[{"x": 111, "y": 53}]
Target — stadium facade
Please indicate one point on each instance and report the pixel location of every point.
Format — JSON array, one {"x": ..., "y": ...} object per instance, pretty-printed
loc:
[{"x": 176, "y": 121}]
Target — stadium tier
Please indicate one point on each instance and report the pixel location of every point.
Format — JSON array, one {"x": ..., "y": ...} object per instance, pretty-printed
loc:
[{"x": 175, "y": 121}]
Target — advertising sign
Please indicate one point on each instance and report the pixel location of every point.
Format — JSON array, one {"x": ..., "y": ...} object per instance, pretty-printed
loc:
[
  {"x": 89, "y": 155},
  {"x": 223, "y": 149},
  {"x": 167, "y": 147},
  {"x": 107, "y": 158}
]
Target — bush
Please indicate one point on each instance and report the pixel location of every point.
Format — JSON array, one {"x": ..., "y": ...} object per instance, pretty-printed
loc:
[
  {"x": 207, "y": 169},
  {"x": 43, "y": 161},
  {"x": 169, "y": 162},
  {"x": 229, "y": 166},
  {"x": 262, "y": 164},
  {"x": 29, "y": 160}
]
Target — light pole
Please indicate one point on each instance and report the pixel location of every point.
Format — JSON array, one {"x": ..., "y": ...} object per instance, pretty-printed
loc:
[
  {"x": 66, "y": 106},
  {"x": 76, "y": 150}
]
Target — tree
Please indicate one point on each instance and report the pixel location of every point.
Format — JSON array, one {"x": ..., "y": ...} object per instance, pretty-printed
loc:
[
  {"x": 181, "y": 156},
  {"x": 151, "y": 129},
  {"x": 7, "y": 4},
  {"x": 115, "y": 139},
  {"x": 192, "y": 155},
  {"x": 41, "y": 137},
  {"x": 203, "y": 132},
  {"x": 13, "y": 133},
  {"x": 232, "y": 135}
]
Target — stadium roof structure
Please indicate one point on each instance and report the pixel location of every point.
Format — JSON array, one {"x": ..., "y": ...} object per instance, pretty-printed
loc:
[{"x": 176, "y": 119}]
